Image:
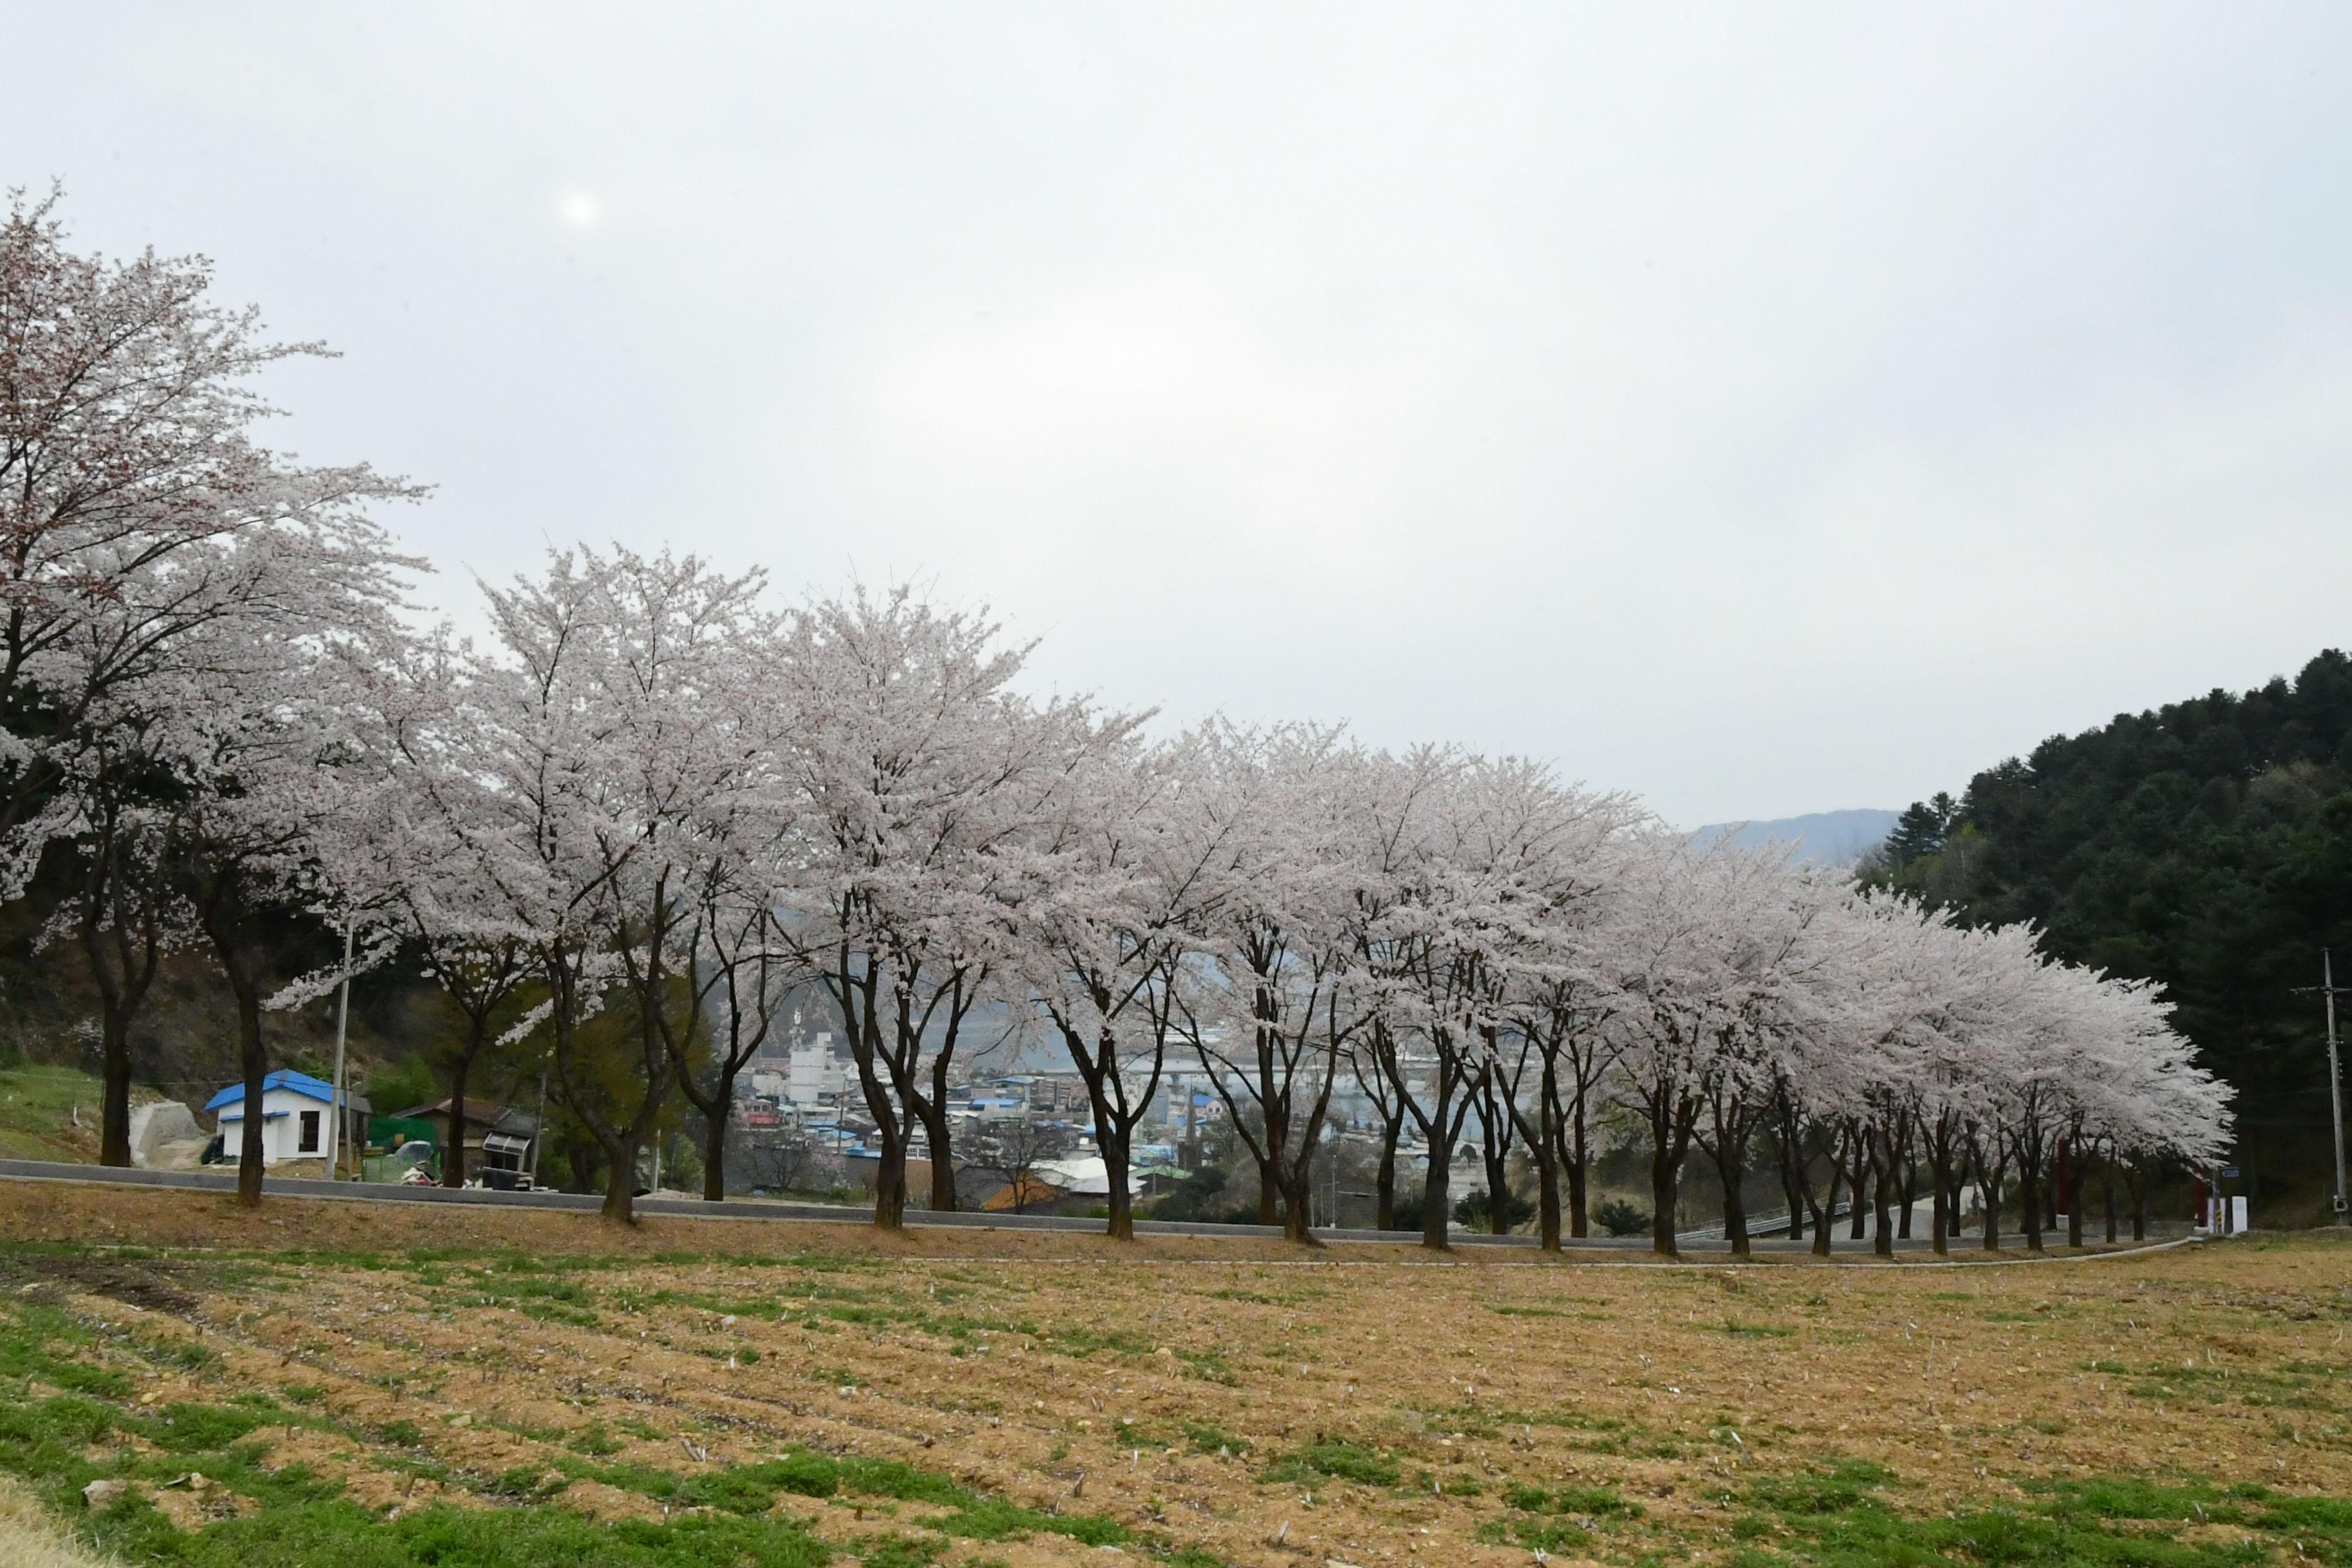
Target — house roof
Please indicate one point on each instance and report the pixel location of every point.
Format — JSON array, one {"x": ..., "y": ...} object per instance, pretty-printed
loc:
[
  {"x": 479, "y": 1113},
  {"x": 287, "y": 1079},
  {"x": 1086, "y": 1176}
]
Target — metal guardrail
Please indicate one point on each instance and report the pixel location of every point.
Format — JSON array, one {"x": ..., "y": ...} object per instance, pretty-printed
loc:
[{"x": 1763, "y": 1226}]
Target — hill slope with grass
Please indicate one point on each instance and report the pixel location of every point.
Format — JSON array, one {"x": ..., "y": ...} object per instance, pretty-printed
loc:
[{"x": 48, "y": 1113}]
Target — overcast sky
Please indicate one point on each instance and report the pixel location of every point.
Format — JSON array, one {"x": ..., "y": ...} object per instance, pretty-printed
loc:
[{"x": 1766, "y": 409}]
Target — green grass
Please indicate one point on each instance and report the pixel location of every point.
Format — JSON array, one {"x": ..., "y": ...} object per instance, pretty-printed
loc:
[
  {"x": 1535, "y": 1534},
  {"x": 37, "y": 1107},
  {"x": 1207, "y": 1439},
  {"x": 60, "y": 1442},
  {"x": 1840, "y": 1515},
  {"x": 1332, "y": 1457},
  {"x": 349, "y": 1536},
  {"x": 1597, "y": 1503}
]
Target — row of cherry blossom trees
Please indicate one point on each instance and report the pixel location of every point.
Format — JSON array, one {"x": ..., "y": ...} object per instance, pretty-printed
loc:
[
  {"x": 650, "y": 801},
  {"x": 653, "y": 795}
]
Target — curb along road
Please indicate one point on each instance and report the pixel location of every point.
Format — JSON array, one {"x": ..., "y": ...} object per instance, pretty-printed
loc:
[{"x": 826, "y": 1214}]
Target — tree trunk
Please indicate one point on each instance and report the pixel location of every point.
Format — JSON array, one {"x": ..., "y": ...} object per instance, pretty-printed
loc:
[
  {"x": 1734, "y": 1206},
  {"x": 2108, "y": 1171},
  {"x": 1113, "y": 1141},
  {"x": 1989, "y": 1189},
  {"x": 2030, "y": 1199},
  {"x": 620, "y": 1180},
  {"x": 1939, "y": 1167},
  {"x": 1580, "y": 1168},
  {"x": 890, "y": 1181},
  {"x": 936, "y": 1130},
  {"x": 114, "y": 1099},
  {"x": 1666, "y": 1188},
  {"x": 1384, "y": 1186},
  {"x": 1861, "y": 1180},
  {"x": 717, "y": 1116},
  {"x": 224, "y": 927},
  {"x": 1788, "y": 1193},
  {"x": 2050, "y": 1205},
  {"x": 453, "y": 1157},
  {"x": 890, "y": 1170},
  {"x": 1499, "y": 1191},
  {"x": 2075, "y": 1195},
  {"x": 1547, "y": 1143},
  {"x": 1825, "y": 1216},
  {"x": 714, "y": 1159},
  {"x": 1299, "y": 1203},
  {"x": 256, "y": 1063},
  {"x": 1729, "y": 1151},
  {"x": 1909, "y": 1191},
  {"x": 1882, "y": 1241},
  {"x": 1548, "y": 1217},
  {"x": 1436, "y": 1193}
]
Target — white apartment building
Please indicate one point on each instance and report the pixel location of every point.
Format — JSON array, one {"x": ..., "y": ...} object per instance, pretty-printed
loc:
[{"x": 817, "y": 1073}]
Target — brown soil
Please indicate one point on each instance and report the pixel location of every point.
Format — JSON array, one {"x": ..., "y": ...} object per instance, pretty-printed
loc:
[{"x": 1157, "y": 1383}]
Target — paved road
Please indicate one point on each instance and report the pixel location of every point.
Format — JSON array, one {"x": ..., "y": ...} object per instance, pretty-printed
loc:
[{"x": 829, "y": 1214}]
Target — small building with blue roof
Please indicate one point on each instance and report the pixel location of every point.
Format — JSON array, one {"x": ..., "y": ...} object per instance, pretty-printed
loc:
[{"x": 295, "y": 1113}]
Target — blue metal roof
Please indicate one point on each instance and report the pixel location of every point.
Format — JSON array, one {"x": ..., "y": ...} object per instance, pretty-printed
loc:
[{"x": 301, "y": 1083}]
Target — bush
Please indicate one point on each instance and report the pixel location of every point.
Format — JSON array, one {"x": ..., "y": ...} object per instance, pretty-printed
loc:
[
  {"x": 1619, "y": 1217},
  {"x": 1474, "y": 1211}
]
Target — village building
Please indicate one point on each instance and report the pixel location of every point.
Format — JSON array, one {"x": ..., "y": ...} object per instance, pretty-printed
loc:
[{"x": 296, "y": 1109}]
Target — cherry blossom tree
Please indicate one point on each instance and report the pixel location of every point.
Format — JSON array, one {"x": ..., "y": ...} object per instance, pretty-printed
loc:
[
  {"x": 927, "y": 788},
  {"x": 113, "y": 819},
  {"x": 604, "y": 732},
  {"x": 1413, "y": 979},
  {"x": 131, "y": 495},
  {"x": 127, "y": 458},
  {"x": 1138, "y": 867},
  {"x": 274, "y": 738},
  {"x": 1277, "y": 1010}
]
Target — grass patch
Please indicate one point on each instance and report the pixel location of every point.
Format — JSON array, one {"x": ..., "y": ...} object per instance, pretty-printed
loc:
[
  {"x": 1813, "y": 1494},
  {"x": 1592, "y": 1502},
  {"x": 1207, "y": 1439},
  {"x": 1535, "y": 1534},
  {"x": 1838, "y": 1516},
  {"x": 1332, "y": 1457},
  {"x": 752, "y": 1489}
]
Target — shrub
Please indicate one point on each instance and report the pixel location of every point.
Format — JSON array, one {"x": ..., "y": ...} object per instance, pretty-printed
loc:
[
  {"x": 1475, "y": 1210},
  {"x": 1619, "y": 1217}
]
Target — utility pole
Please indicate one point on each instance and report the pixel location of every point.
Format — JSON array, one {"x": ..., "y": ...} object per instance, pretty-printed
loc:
[{"x": 2327, "y": 989}]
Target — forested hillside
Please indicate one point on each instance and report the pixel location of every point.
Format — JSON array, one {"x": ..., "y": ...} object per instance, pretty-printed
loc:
[{"x": 2207, "y": 845}]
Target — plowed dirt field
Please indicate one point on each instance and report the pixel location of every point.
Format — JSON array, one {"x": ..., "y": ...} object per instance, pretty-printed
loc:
[{"x": 1199, "y": 1402}]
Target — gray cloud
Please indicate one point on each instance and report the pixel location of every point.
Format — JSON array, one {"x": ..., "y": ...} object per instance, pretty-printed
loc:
[{"x": 1766, "y": 411}]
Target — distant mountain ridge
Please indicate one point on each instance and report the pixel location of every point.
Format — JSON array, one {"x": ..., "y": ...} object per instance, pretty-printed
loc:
[{"x": 1822, "y": 837}]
